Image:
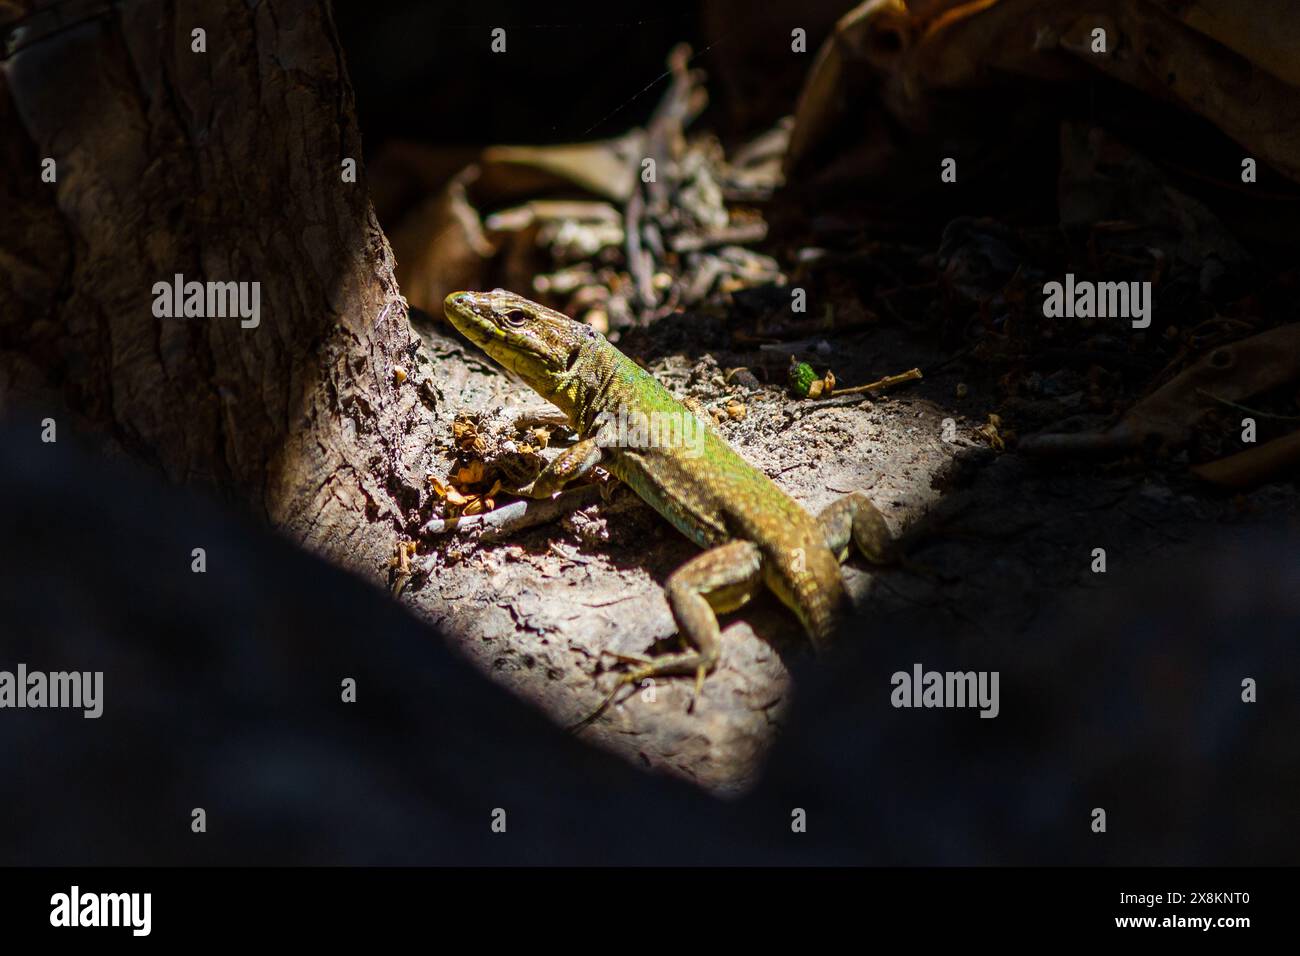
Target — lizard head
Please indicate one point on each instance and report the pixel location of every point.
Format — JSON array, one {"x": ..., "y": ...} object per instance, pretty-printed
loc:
[{"x": 540, "y": 345}]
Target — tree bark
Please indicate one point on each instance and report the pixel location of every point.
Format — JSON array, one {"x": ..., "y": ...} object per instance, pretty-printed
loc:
[{"x": 224, "y": 165}]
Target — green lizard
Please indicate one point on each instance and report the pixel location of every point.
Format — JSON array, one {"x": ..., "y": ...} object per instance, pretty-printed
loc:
[{"x": 753, "y": 532}]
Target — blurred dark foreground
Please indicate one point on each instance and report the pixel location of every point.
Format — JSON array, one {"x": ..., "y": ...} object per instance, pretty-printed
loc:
[{"x": 222, "y": 691}]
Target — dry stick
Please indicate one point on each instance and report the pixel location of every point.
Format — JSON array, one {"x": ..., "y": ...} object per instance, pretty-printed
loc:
[
  {"x": 739, "y": 234},
  {"x": 680, "y": 105},
  {"x": 889, "y": 381},
  {"x": 1255, "y": 412},
  {"x": 518, "y": 514},
  {"x": 638, "y": 258}
]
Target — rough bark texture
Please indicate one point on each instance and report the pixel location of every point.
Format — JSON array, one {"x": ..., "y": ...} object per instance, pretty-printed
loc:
[{"x": 221, "y": 166}]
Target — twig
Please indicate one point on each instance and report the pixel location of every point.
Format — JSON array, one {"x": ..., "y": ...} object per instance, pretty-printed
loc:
[
  {"x": 518, "y": 514},
  {"x": 889, "y": 381},
  {"x": 738, "y": 234},
  {"x": 639, "y": 261},
  {"x": 1254, "y": 412}
]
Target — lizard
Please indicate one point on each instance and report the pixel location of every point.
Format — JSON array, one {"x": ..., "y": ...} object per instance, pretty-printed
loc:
[{"x": 753, "y": 533}]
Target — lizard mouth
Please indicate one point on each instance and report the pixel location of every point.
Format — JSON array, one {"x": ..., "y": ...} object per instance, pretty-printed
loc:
[{"x": 462, "y": 312}]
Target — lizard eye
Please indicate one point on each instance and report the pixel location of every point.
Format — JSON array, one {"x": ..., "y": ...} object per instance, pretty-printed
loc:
[{"x": 515, "y": 318}]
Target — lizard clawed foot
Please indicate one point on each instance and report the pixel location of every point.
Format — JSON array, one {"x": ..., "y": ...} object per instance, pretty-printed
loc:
[
  {"x": 587, "y": 721},
  {"x": 535, "y": 491},
  {"x": 687, "y": 662},
  {"x": 700, "y": 673}
]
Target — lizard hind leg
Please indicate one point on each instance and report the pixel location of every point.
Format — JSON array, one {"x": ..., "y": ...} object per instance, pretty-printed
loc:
[
  {"x": 715, "y": 582},
  {"x": 854, "y": 518},
  {"x": 720, "y": 580}
]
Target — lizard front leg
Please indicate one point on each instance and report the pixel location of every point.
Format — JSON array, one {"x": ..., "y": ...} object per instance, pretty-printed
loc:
[
  {"x": 715, "y": 582},
  {"x": 574, "y": 462},
  {"x": 855, "y": 518}
]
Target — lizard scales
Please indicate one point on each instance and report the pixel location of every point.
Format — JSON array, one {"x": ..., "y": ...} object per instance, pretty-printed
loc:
[{"x": 753, "y": 532}]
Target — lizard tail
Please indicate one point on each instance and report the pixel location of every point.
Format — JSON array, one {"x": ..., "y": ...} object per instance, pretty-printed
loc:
[{"x": 820, "y": 602}]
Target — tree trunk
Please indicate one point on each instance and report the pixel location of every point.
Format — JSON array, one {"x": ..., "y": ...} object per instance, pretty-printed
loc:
[{"x": 224, "y": 165}]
